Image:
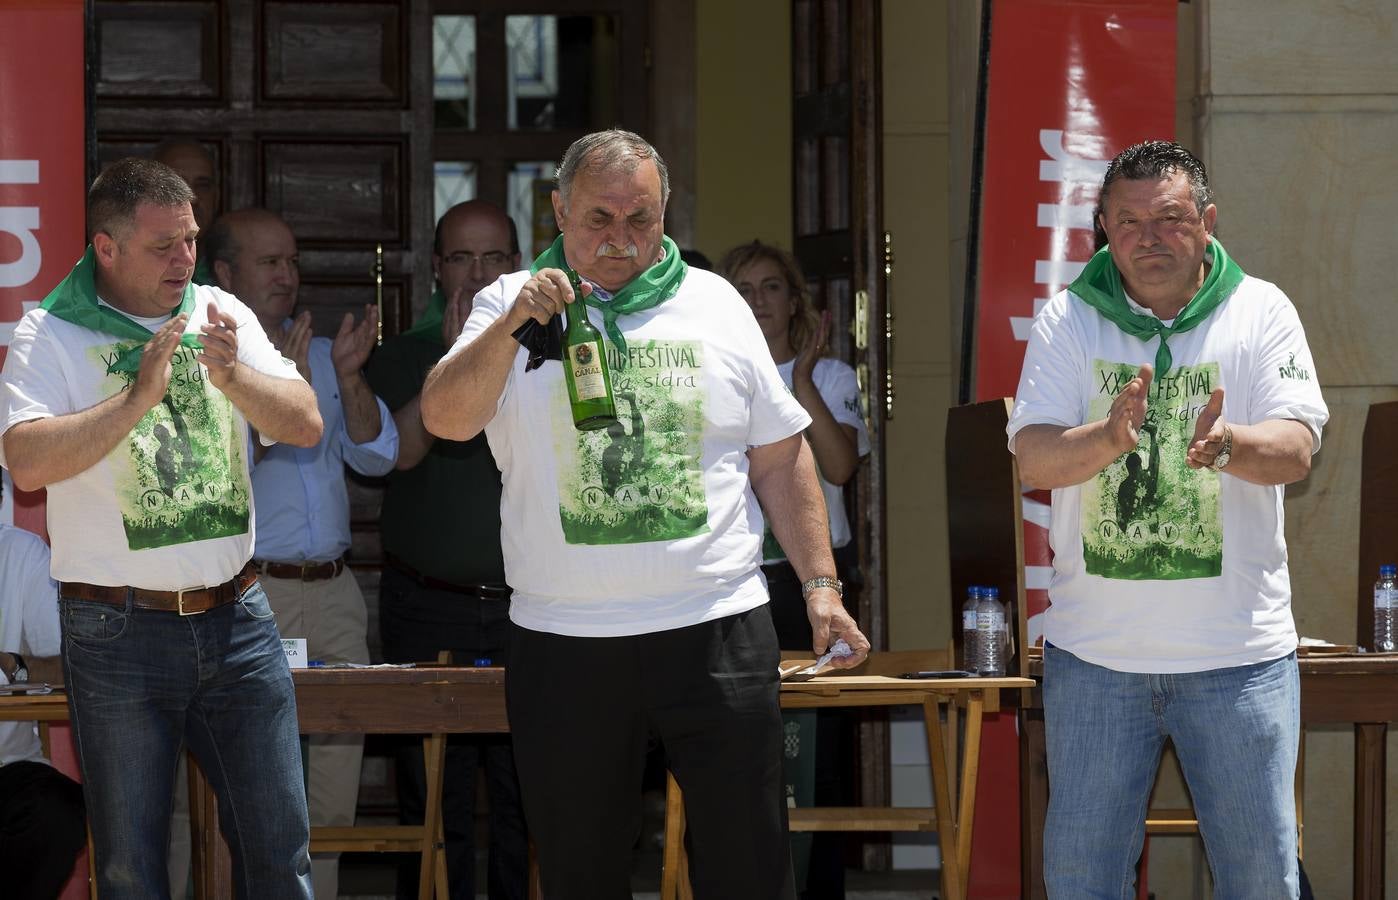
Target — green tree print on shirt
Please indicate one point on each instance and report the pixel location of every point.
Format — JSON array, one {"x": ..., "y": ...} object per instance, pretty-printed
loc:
[
  {"x": 1148, "y": 515},
  {"x": 641, "y": 479},
  {"x": 180, "y": 476}
]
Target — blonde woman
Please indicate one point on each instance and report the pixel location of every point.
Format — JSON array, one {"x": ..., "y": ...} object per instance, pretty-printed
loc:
[{"x": 769, "y": 279}]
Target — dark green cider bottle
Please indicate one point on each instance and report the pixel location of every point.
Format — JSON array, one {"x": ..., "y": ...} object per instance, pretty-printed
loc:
[{"x": 585, "y": 367}]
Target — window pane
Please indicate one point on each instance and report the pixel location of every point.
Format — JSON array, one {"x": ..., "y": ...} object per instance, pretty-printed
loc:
[
  {"x": 453, "y": 183},
  {"x": 563, "y": 72},
  {"x": 529, "y": 203},
  {"x": 454, "y": 71}
]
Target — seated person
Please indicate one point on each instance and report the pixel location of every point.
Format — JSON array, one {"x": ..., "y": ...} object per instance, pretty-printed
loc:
[{"x": 42, "y": 824}]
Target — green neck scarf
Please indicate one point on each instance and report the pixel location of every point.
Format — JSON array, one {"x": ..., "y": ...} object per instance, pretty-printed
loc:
[
  {"x": 75, "y": 300},
  {"x": 429, "y": 327},
  {"x": 651, "y": 288},
  {"x": 1099, "y": 286}
]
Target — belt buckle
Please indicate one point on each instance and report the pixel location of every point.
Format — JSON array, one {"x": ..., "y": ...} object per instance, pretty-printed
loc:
[
  {"x": 179, "y": 603},
  {"x": 305, "y": 566}
]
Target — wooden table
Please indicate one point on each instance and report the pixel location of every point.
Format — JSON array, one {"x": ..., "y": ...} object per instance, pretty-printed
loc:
[
  {"x": 954, "y": 801},
  {"x": 1359, "y": 690},
  {"x": 428, "y": 699}
]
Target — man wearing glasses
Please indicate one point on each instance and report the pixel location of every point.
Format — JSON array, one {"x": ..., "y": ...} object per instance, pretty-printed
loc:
[{"x": 443, "y": 585}]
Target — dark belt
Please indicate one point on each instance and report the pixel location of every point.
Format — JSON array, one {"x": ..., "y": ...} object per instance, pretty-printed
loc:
[
  {"x": 483, "y": 591},
  {"x": 186, "y": 602},
  {"x": 304, "y": 571}
]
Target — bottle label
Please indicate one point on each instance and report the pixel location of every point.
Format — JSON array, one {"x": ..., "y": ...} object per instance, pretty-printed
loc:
[
  {"x": 990, "y": 622},
  {"x": 1384, "y": 599},
  {"x": 585, "y": 360},
  {"x": 968, "y": 620}
]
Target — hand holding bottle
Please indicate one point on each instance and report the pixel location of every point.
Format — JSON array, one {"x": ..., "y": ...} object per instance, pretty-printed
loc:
[{"x": 546, "y": 294}]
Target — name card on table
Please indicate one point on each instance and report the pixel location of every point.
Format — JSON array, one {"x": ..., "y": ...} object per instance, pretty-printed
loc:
[{"x": 295, "y": 650}]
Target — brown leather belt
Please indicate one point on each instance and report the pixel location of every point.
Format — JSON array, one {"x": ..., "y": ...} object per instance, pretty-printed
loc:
[
  {"x": 483, "y": 591},
  {"x": 186, "y": 602},
  {"x": 307, "y": 571}
]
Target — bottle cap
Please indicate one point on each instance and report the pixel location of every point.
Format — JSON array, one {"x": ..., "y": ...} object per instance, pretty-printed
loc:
[
  {"x": 991, "y": 592},
  {"x": 1388, "y": 569}
]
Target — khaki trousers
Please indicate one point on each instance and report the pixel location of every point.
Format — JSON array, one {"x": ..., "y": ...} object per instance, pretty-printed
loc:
[{"x": 330, "y": 615}]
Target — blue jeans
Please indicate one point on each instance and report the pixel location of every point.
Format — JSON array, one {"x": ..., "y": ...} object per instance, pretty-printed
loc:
[
  {"x": 141, "y": 685},
  {"x": 1235, "y": 731}
]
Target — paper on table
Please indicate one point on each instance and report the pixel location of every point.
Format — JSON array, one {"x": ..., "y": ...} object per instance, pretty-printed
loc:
[{"x": 26, "y": 687}]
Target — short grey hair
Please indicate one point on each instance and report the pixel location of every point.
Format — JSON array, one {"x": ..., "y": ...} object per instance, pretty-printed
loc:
[{"x": 609, "y": 151}]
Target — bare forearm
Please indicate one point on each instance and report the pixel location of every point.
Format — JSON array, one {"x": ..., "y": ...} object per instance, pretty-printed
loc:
[
  {"x": 785, "y": 482},
  {"x": 282, "y": 409},
  {"x": 41, "y": 452},
  {"x": 413, "y": 439},
  {"x": 832, "y": 443},
  {"x": 1054, "y": 456},
  {"x": 1277, "y": 451},
  {"x": 361, "y": 410},
  {"x": 461, "y": 393}
]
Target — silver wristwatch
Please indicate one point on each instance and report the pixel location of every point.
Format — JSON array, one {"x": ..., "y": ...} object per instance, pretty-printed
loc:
[
  {"x": 1225, "y": 454},
  {"x": 822, "y": 581},
  {"x": 21, "y": 673}
]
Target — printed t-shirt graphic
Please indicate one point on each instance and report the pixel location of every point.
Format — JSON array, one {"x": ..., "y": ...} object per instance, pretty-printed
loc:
[
  {"x": 181, "y": 476},
  {"x": 1148, "y": 515},
  {"x": 640, "y": 479}
]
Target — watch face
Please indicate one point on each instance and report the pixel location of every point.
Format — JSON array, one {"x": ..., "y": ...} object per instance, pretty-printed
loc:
[{"x": 1223, "y": 458}]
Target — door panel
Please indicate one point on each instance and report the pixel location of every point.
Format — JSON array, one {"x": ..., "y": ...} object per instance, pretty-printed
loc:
[
  {"x": 837, "y": 221},
  {"x": 307, "y": 110}
]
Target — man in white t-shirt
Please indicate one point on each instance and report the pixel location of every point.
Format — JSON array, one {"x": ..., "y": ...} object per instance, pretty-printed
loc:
[
  {"x": 128, "y": 394},
  {"x": 634, "y": 551},
  {"x": 1166, "y": 398},
  {"x": 42, "y": 828}
]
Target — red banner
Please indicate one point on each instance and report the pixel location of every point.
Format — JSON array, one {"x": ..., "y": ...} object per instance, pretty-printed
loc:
[
  {"x": 1072, "y": 83},
  {"x": 42, "y": 175}
]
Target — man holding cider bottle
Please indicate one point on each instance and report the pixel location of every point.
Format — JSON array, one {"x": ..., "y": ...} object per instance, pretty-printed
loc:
[{"x": 639, "y": 604}]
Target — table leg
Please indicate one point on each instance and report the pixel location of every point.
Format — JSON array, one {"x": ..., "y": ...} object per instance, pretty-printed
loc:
[
  {"x": 953, "y": 875},
  {"x": 433, "y": 851},
  {"x": 209, "y": 856},
  {"x": 970, "y": 769},
  {"x": 674, "y": 839},
  {"x": 1370, "y": 778},
  {"x": 1033, "y": 780}
]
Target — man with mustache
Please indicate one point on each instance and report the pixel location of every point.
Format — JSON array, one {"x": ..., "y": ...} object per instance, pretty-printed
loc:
[
  {"x": 642, "y": 608},
  {"x": 303, "y": 514},
  {"x": 168, "y": 638},
  {"x": 1171, "y": 613}
]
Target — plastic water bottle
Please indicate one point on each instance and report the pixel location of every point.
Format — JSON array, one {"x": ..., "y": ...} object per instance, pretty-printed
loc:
[
  {"x": 990, "y": 633},
  {"x": 969, "y": 636},
  {"x": 1386, "y": 610}
]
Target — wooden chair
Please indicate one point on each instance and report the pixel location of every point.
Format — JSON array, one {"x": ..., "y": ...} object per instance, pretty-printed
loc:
[{"x": 675, "y": 884}]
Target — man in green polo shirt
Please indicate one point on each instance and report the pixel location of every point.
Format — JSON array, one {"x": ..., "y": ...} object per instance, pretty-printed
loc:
[{"x": 443, "y": 585}]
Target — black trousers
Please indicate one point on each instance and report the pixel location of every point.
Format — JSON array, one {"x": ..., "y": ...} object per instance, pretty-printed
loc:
[
  {"x": 415, "y": 623},
  {"x": 42, "y": 829},
  {"x": 581, "y": 710}
]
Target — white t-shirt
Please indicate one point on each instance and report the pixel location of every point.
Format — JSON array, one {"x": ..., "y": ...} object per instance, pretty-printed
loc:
[
  {"x": 650, "y": 525},
  {"x": 837, "y": 385},
  {"x": 28, "y": 624},
  {"x": 1159, "y": 567},
  {"x": 170, "y": 506}
]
